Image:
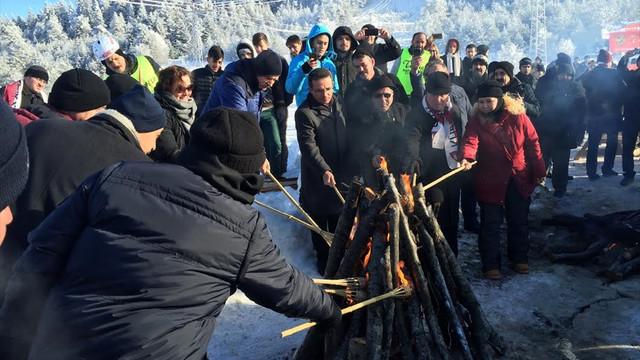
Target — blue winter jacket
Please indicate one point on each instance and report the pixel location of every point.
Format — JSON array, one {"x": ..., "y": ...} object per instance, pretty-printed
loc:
[
  {"x": 238, "y": 89},
  {"x": 297, "y": 81},
  {"x": 138, "y": 263}
]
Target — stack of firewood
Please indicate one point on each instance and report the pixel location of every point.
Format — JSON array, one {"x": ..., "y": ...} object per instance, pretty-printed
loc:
[
  {"x": 612, "y": 240},
  {"x": 391, "y": 241}
]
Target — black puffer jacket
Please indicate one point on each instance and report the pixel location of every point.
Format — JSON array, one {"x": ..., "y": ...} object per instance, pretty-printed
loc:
[
  {"x": 139, "y": 262},
  {"x": 203, "y": 80}
]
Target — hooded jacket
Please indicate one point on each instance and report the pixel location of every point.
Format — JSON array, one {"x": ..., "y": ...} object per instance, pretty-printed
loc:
[
  {"x": 345, "y": 71},
  {"x": 298, "y": 79},
  {"x": 139, "y": 262},
  {"x": 505, "y": 149},
  {"x": 238, "y": 89},
  {"x": 246, "y": 44}
]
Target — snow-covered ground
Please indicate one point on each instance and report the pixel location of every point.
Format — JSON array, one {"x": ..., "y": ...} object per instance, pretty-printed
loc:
[{"x": 555, "y": 312}]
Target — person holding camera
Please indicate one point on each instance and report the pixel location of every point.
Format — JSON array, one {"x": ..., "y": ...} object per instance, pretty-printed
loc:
[
  {"x": 382, "y": 53},
  {"x": 317, "y": 53},
  {"x": 412, "y": 61}
]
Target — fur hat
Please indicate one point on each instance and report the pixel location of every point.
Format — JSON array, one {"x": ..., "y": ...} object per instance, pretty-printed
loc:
[
  {"x": 490, "y": 88},
  {"x": 79, "y": 90},
  {"x": 232, "y": 135},
  {"x": 139, "y": 106},
  {"x": 438, "y": 83},
  {"x": 37, "y": 72},
  {"x": 14, "y": 157},
  {"x": 604, "y": 57},
  {"x": 267, "y": 63}
]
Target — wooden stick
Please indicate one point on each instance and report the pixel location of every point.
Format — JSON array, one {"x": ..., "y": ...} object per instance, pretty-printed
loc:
[
  {"x": 446, "y": 176},
  {"x": 339, "y": 195},
  {"x": 402, "y": 291},
  {"x": 355, "y": 283},
  {"x": 286, "y": 193},
  {"x": 327, "y": 236}
]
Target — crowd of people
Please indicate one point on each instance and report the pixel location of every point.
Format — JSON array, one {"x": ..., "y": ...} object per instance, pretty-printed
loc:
[{"x": 126, "y": 201}]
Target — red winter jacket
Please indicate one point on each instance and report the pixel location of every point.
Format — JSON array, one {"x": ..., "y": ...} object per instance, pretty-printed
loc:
[{"x": 508, "y": 148}]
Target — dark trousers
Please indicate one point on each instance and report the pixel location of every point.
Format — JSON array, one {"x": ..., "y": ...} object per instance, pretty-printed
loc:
[
  {"x": 272, "y": 144},
  {"x": 326, "y": 223},
  {"x": 468, "y": 201},
  {"x": 609, "y": 153},
  {"x": 516, "y": 210},
  {"x": 629, "y": 137},
  {"x": 281, "y": 117},
  {"x": 560, "y": 159}
]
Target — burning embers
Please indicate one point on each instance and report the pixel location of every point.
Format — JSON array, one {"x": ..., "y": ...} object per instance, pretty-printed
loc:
[
  {"x": 612, "y": 239},
  {"x": 419, "y": 303}
]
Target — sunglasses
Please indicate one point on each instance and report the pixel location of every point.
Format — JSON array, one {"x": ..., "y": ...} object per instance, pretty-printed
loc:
[
  {"x": 183, "y": 89},
  {"x": 386, "y": 95}
]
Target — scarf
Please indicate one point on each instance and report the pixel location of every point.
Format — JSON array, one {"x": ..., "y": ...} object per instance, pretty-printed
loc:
[
  {"x": 453, "y": 64},
  {"x": 184, "y": 110},
  {"x": 444, "y": 134}
]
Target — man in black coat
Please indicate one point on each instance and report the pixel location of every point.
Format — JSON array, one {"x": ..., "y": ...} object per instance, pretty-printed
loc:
[
  {"x": 631, "y": 123},
  {"x": 434, "y": 132},
  {"x": 344, "y": 44},
  {"x": 526, "y": 73},
  {"x": 325, "y": 162},
  {"x": 561, "y": 124},
  {"x": 140, "y": 260},
  {"x": 502, "y": 72},
  {"x": 205, "y": 77},
  {"x": 604, "y": 89},
  {"x": 63, "y": 153}
]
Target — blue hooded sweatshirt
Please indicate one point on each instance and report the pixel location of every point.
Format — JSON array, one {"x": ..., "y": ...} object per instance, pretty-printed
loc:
[{"x": 297, "y": 81}]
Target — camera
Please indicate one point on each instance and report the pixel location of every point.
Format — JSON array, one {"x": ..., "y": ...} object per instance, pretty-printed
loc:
[
  {"x": 416, "y": 51},
  {"x": 371, "y": 32},
  {"x": 313, "y": 56},
  {"x": 437, "y": 36}
]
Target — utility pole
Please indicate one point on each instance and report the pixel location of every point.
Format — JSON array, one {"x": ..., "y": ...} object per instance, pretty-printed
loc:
[{"x": 538, "y": 37}]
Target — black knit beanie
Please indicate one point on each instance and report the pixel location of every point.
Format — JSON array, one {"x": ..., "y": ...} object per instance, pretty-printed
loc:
[
  {"x": 233, "y": 135},
  {"x": 79, "y": 90},
  {"x": 381, "y": 81},
  {"x": 525, "y": 61},
  {"x": 438, "y": 83},
  {"x": 119, "y": 84},
  {"x": 363, "y": 49},
  {"x": 14, "y": 158},
  {"x": 37, "y": 72},
  {"x": 139, "y": 106},
  {"x": 267, "y": 63},
  {"x": 490, "y": 88},
  {"x": 504, "y": 65}
]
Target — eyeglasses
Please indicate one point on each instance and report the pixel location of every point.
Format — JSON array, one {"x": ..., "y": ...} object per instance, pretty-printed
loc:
[
  {"x": 379, "y": 96},
  {"x": 183, "y": 89}
]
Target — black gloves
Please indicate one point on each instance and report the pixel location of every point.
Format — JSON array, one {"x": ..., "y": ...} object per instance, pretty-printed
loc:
[{"x": 332, "y": 322}]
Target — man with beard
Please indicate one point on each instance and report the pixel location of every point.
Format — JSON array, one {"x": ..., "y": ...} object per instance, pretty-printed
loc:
[
  {"x": 475, "y": 77},
  {"x": 561, "y": 123},
  {"x": 502, "y": 73},
  {"x": 345, "y": 45},
  {"x": 380, "y": 133},
  {"x": 322, "y": 135},
  {"x": 414, "y": 55},
  {"x": 244, "y": 84},
  {"x": 357, "y": 100},
  {"x": 526, "y": 73}
]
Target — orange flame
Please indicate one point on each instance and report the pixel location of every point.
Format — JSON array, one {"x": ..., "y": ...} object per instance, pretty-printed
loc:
[
  {"x": 383, "y": 164},
  {"x": 353, "y": 228},
  {"x": 367, "y": 256},
  {"x": 406, "y": 178},
  {"x": 403, "y": 280}
]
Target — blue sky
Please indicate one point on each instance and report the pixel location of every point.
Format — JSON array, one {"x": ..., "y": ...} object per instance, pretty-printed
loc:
[{"x": 21, "y": 7}]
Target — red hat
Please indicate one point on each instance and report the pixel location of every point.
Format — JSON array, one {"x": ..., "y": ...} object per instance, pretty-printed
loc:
[{"x": 604, "y": 56}]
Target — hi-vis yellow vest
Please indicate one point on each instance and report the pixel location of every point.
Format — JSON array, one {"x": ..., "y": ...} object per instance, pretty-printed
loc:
[
  {"x": 404, "y": 69},
  {"x": 145, "y": 74}
]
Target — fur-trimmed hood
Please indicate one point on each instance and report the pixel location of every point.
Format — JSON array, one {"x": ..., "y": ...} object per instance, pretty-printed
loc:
[{"x": 512, "y": 106}]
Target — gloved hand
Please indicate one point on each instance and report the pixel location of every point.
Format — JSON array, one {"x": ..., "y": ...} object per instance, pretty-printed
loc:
[
  {"x": 412, "y": 167},
  {"x": 332, "y": 322}
]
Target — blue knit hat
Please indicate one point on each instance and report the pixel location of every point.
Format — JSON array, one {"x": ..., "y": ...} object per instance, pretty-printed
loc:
[
  {"x": 139, "y": 106},
  {"x": 14, "y": 158}
]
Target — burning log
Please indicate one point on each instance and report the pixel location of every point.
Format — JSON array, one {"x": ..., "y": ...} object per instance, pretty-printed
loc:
[
  {"x": 441, "y": 318},
  {"x": 613, "y": 239}
]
